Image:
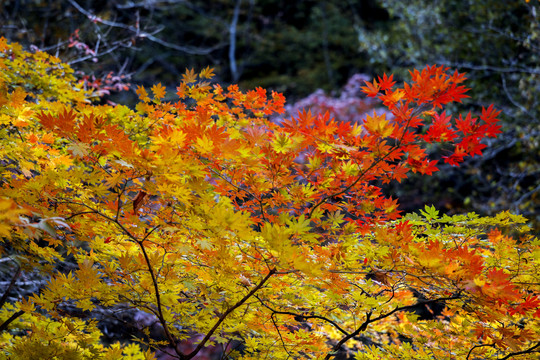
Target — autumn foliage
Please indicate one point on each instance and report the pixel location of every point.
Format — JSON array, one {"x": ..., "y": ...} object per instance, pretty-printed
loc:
[{"x": 266, "y": 239}]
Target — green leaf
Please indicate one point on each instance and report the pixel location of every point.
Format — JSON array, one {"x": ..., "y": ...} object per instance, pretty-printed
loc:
[{"x": 430, "y": 213}]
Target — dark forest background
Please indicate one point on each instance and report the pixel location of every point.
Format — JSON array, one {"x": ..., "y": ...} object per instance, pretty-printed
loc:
[{"x": 299, "y": 47}]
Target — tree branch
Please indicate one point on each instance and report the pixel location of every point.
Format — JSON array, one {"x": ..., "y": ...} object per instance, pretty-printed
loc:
[
  {"x": 529, "y": 350},
  {"x": 475, "y": 347},
  {"x": 10, "y": 320},
  {"x": 143, "y": 34},
  {"x": 11, "y": 283},
  {"x": 361, "y": 328},
  {"x": 368, "y": 320},
  {"x": 232, "y": 41},
  {"x": 304, "y": 316},
  {"x": 226, "y": 313},
  {"x": 161, "y": 318},
  {"x": 499, "y": 69},
  {"x": 280, "y": 337}
]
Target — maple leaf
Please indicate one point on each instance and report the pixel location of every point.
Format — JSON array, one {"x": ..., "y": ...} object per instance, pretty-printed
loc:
[
  {"x": 17, "y": 97},
  {"x": 189, "y": 76},
  {"x": 143, "y": 94},
  {"x": 399, "y": 173},
  {"x": 181, "y": 90},
  {"x": 207, "y": 73},
  {"x": 530, "y": 303},
  {"x": 489, "y": 115},
  {"x": 159, "y": 91},
  {"x": 371, "y": 89},
  {"x": 377, "y": 124},
  {"x": 386, "y": 82},
  {"x": 138, "y": 201},
  {"x": 79, "y": 149},
  {"x": 64, "y": 120},
  {"x": 204, "y": 145},
  {"x": 466, "y": 125},
  {"x": 391, "y": 98},
  {"x": 440, "y": 129}
]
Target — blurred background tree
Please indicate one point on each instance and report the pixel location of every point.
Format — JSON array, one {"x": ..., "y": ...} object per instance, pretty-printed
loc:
[{"x": 297, "y": 47}]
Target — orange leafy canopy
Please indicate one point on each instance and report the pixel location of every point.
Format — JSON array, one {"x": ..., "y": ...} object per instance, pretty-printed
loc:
[{"x": 218, "y": 224}]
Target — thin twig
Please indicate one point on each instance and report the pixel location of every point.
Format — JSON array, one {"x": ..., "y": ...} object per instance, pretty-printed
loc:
[
  {"x": 143, "y": 34},
  {"x": 279, "y": 333}
]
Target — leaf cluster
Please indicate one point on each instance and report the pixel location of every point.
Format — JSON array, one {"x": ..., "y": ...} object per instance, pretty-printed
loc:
[{"x": 223, "y": 226}]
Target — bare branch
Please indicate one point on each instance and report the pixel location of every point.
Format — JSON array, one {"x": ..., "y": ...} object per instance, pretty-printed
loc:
[
  {"x": 511, "y": 99},
  {"x": 500, "y": 69},
  {"x": 147, "y": 4},
  {"x": 232, "y": 41},
  {"x": 143, "y": 34}
]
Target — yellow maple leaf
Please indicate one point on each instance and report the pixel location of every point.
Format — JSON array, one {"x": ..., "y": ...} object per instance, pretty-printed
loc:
[
  {"x": 204, "y": 145},
  {"x": 63, "y": 160},
  {"x": 177, "y": 138},
  {"x": 377, "y": 124},
  {"x": 23, "y": 117},
  {"x": 17, "y": 97}
]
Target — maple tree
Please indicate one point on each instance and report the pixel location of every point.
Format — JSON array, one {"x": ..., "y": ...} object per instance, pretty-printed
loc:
[{"x": 227, "y": 227}]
